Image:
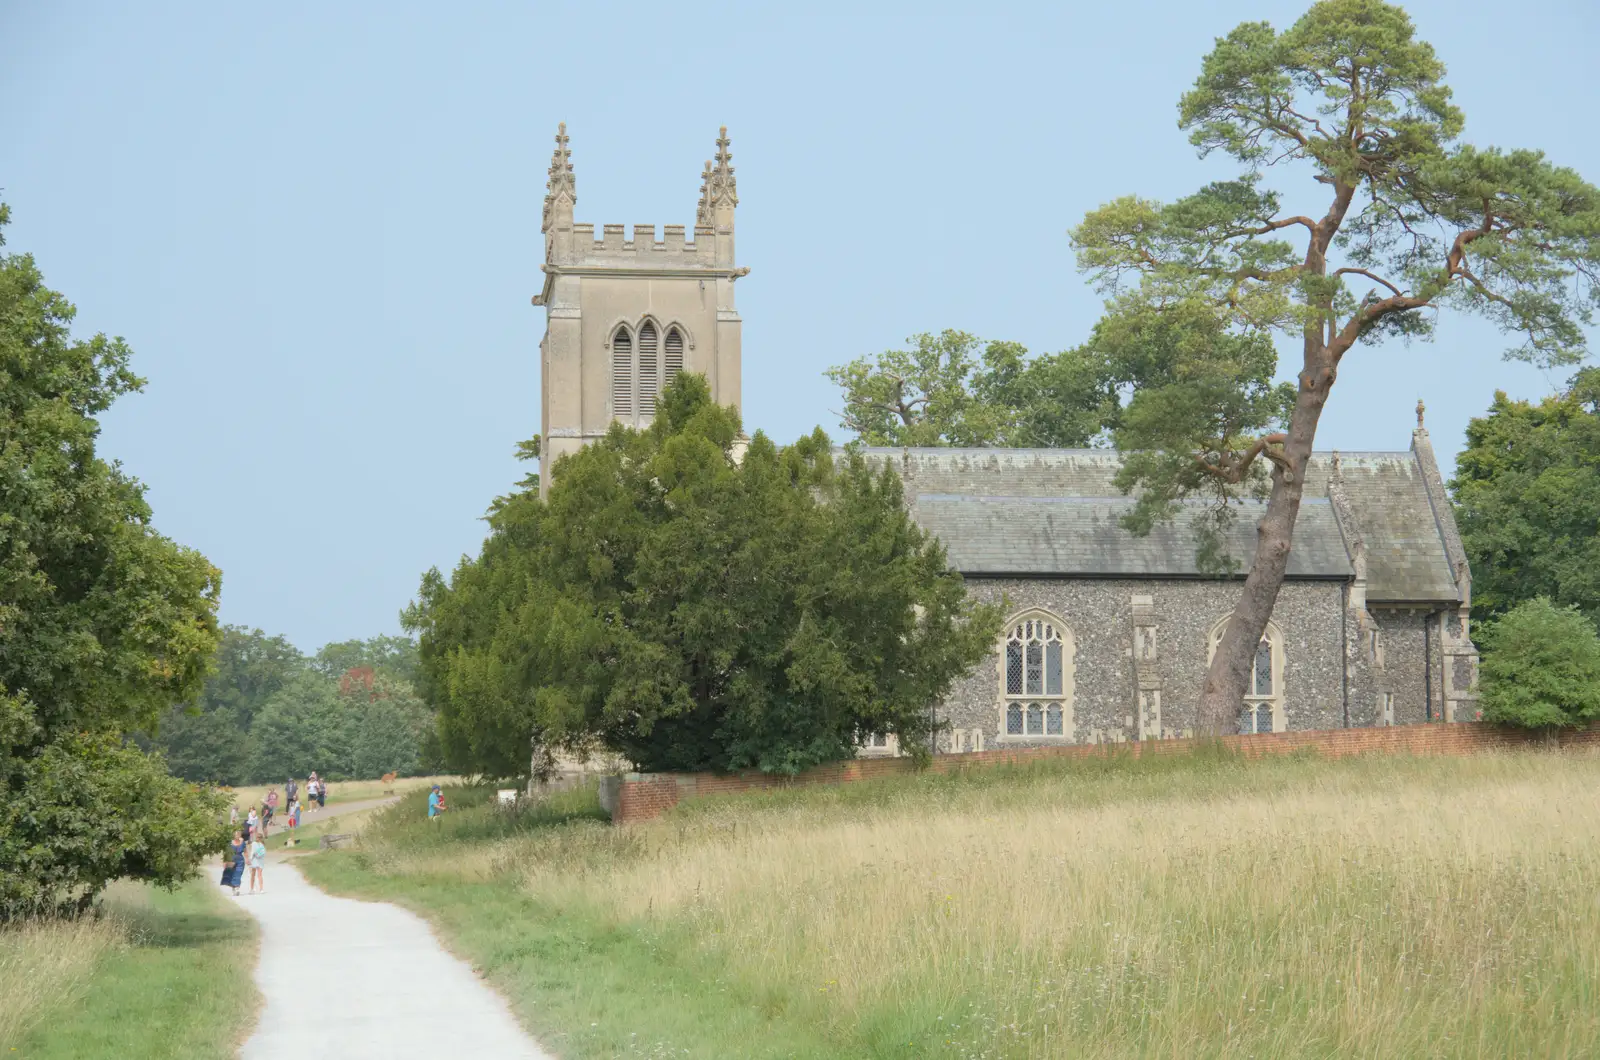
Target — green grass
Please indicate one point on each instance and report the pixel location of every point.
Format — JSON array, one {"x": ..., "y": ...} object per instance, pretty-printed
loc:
[
  {"x": 177, "y": 985},
  {"x": 1203, "y": 906}
]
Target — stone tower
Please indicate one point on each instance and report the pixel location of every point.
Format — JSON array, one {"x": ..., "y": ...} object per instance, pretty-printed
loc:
[{"x": 623, "y": 316}]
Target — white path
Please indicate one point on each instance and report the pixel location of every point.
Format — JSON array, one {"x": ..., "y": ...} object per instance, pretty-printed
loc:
[{"x": 350, "y": 980}]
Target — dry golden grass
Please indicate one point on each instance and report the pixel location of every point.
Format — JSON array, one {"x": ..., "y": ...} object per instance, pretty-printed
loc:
[
  {"x": 47, "y": 964},
  {"x": 1386, "y": 907}
]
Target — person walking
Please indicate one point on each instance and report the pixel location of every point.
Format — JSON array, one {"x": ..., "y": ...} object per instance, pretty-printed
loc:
[
  {"x": 322, "y": 793},
  {"x": 233, "y": 875},
  {"x": 258, "y": 866},
  {"x": 311, "y": 788},
  {"x": 435, "y": 803},
  {"x": 272, "y": 803},
  {"x": 251, "y": 823},
  {"x": 291, "y": 790}
]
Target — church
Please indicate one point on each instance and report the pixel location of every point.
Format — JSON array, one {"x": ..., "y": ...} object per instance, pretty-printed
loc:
[{"x": 1108, "y": 635}]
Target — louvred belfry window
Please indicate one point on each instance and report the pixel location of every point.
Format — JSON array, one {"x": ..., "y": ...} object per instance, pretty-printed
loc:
[
  {"x": 622, "y": 375},
  {"x": 674, "y": 360},
  {"x": 649, "y": 366}
]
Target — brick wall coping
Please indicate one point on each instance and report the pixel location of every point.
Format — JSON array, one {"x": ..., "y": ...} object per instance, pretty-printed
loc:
[{"x": 634, "y": 797}]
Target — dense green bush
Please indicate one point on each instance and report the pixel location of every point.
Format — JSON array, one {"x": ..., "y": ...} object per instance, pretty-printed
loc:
[
  {"x": 1541, "y": 667},
  {"x": 692, "y": 609}
]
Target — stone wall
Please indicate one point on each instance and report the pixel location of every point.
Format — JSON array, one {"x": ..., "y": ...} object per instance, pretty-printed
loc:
[
  {"x": 1176, "y": 618},
  {"x": 638, "y": 797},
  {"x": 1413, "y": 661}
]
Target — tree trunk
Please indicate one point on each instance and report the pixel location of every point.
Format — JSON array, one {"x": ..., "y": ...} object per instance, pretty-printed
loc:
[{"x": 1227, "y": 680}]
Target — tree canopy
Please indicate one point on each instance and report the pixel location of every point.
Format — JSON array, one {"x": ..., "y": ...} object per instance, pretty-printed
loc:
[
  {"x": 1541, "y": 669},
  {"x": 953, "y": 389},
  {"x": 1410, "y": 221},
  {"x": 689, "y": 608},
  {"x": 268, "y": 712},
  {"x": 1527, "y": 491},
  {"x": 103, "y": 624}
]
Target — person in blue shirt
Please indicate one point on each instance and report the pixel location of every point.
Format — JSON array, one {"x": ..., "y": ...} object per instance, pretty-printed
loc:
[{"x": 435, "y": 803}]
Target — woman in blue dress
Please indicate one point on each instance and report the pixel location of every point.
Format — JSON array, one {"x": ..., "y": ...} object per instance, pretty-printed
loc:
[{"x": 233, "y": 875}]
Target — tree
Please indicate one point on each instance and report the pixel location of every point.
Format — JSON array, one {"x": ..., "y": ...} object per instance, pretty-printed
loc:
[
  {"x": 692, "y": 610},
  {"x": 1527, "y": 491},
  {"x": 210, "y": 740},
  {"x": 944, "y": 392},
  {"x": 303, "y": 727},
  {"x": 389, "y": 726},
  {"x": 1411, "y": 222},
  {"x": 1542, "y": 667},
  {"x": 392, "y": 656},
  {"x": 104, "y": 624}
]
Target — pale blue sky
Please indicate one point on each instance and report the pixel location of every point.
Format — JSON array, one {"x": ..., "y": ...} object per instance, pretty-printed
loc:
[{"x": 318, "y": 225}]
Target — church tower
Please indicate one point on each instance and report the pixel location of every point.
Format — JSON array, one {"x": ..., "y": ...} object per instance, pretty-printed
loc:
[{"x": 623, "y": 316}]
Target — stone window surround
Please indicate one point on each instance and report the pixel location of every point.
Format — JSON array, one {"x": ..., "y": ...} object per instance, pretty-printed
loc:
[
  {"x": 630, "y": 331},
  {"x": 1069, "y": 652},
  {"x": 1274, "y": 638},
  {"x": 878, "y": 745}
]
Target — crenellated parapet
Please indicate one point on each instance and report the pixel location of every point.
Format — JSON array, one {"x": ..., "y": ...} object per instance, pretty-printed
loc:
[
  {"x": 704, "y": 251},
  {"x": 626, "y": 311}
]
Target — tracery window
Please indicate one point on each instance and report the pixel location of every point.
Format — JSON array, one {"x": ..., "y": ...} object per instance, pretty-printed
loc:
[
  {"x": 1036, "y": 660},
  {"x": 1262, "y": 709}
]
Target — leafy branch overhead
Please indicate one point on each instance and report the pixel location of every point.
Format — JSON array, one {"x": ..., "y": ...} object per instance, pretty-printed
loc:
[{"x": 1409, "y": 221}]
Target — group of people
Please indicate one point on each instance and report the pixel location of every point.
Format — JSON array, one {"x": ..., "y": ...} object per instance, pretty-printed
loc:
[{"x": 248, "y": 849}]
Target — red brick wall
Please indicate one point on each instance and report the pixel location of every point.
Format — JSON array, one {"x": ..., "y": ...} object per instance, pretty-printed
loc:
[{"x": 647, "y": 795}]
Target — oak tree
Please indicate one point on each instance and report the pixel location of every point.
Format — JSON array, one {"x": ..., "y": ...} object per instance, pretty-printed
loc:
[
  {"x": 954, "y": 389},
  {"x": 104, "y": 623}
]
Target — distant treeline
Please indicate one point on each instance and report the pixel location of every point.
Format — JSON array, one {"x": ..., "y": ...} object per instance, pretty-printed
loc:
[{"x": 270, "y": 712}]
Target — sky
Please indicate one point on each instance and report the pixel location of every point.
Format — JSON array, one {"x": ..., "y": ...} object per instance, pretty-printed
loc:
[{"x": 317, "y": 225}]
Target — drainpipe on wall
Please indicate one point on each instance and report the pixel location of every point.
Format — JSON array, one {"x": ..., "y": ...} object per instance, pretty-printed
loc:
[
  {"x": 1344, "y": 650},
  {"x": 1427, "y": 661}
]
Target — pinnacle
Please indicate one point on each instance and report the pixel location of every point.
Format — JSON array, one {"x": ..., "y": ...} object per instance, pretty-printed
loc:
[
  {"x": 717, "y": 184},
  {"x": 561, "y": 181}
]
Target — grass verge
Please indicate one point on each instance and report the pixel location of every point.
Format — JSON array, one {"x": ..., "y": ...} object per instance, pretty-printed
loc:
[
  {"x": 160, "y": 976},
  {"x": 1204, "y": 906}
]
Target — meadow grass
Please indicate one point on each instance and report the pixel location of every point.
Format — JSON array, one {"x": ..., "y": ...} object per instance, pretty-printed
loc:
[
  {"x": 1202, "y": 906},
  {"x": 248, "y": 795},
  {"x": 157, "y": 975},
  {"x": 44, "y": 964}
]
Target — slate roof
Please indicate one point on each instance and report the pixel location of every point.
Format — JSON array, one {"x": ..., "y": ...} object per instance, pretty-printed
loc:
[{"x": 1054, "y": 512}]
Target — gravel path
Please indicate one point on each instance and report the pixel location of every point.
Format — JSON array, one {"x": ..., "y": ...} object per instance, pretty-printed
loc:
[{"x": 352, "y": 980}]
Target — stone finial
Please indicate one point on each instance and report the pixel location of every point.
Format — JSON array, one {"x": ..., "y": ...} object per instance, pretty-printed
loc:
[
  {"x": 1338, "y": 465},
  {"x": 561, "y": 186},
  {"x": 1419, "y": 413},
  {"x": 717, "y": 184}
]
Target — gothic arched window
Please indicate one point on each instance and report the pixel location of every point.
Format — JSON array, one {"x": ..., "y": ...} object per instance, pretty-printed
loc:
[
  {"x": 649, "y": 369},
  {"x": 1262, "y": 709},
  {"x": 674, "y": 359},
  {"x": 622, "y": 375},
  {"x": 1036, "y": 660}
]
